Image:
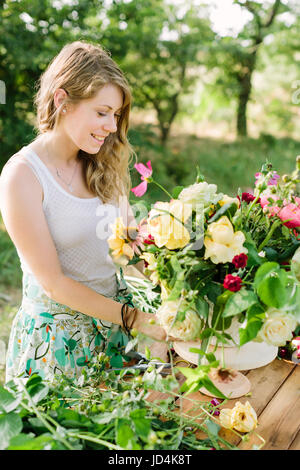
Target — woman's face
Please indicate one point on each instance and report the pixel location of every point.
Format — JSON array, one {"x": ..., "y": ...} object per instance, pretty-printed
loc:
[{"x": 90, "y": 121}]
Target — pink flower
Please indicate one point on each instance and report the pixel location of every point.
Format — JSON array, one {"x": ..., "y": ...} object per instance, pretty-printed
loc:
[
  {"x": 290, "y": 215},
  {"x": 145, "y": 174},
  {"x": 265, "y": 204},
  {"x": 139, "y": 235},
  {"x": 272, "y": 181}
]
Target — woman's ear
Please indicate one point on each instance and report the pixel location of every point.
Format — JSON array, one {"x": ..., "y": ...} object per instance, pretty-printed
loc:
[{"x": 60, "y": 96}]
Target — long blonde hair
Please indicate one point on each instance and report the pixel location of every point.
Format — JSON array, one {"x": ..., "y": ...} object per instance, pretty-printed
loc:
[{"x": 81, "y": 69}]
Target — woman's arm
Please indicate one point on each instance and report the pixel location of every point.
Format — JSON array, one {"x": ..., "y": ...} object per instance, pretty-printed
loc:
[{"x": 21, "y": 198}]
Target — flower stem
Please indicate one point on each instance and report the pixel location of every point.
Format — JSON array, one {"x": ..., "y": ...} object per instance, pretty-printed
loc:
[
  {"x": 162, "y": 188},
  {"x": 268, "y": 237}
]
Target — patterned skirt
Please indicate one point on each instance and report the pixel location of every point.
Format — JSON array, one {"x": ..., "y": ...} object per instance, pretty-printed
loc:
[{"x": 49, "y": 338}]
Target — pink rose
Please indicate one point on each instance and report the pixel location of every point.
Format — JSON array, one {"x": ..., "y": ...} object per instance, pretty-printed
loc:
[{"x": 291, "y": 214}]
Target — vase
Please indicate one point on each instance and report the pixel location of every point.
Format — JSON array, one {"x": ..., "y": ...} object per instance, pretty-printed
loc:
[{"x": 231, "y": 357}]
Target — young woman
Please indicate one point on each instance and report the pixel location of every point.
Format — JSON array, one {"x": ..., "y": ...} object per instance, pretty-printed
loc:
[{"x": 53, "y": 195}]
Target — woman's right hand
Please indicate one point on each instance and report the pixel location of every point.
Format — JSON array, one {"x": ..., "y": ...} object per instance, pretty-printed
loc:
[{"x": 147, "y": 323}]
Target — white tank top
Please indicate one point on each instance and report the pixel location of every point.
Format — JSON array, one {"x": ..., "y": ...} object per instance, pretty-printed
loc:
[{"x": 79, "y": 228}]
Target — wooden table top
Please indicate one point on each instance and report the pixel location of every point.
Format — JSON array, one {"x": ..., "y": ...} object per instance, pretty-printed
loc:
[{"x": 275, "y": 396}]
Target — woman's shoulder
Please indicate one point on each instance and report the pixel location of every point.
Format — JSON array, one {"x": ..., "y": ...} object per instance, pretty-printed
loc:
[{"x": 17, "y": 170}]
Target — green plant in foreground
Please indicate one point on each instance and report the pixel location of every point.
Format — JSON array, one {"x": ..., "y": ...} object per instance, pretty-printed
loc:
[{"x": 102, "y": 410}]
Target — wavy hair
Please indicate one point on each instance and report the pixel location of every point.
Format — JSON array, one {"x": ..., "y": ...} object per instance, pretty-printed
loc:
[{"x": 81, "y": 69}]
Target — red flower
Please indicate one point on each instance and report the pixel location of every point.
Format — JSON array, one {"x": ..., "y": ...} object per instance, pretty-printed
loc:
[
  {"x": 232, "y": 283},
  {"x": 240, "y": 261},
  {"x": 149, "y": 240},
  {"x": 248, "y": 197}
]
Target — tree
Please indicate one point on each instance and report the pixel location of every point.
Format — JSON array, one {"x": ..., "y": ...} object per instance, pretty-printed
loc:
[
  {"x": 158, "y": 47},
  {"x": 31, "y": 33},
  {"x": 236, "y": 58}
]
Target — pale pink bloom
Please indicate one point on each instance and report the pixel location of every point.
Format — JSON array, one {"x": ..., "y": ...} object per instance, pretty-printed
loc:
[
  {"x": 266, "y": 204},
  {"x": 145, "y": 172}
]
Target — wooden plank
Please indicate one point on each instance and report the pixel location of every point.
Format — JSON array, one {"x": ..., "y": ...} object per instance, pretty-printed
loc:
[
  {"x": 280, "y": 421},
  {"x": 265, "y": 381},
  {"x": 295, "y": 445}
]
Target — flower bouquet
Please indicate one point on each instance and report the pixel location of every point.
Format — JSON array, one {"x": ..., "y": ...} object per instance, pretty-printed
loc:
[{"x": 227, "y": 268}]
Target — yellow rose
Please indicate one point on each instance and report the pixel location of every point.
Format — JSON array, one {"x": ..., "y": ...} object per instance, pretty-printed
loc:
[
  {"x": 120, "y": 251},
  {"x": 242, "y": 417},
  {"x": 277, "y": 328},
  {"x": 152, "y": 266},
  {"x": 165, "y": 291},
  {"x": 226, "y": 199},
  {"x": 165, "y": 224},
  {"x": 187, "y": 330},
  {"x": 222, "y": 243}
]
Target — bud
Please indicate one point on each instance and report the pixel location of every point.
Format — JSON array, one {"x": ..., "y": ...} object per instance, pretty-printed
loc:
[
  {"x": 286, "y": 178},
  {"x": 134, "y": 332}
]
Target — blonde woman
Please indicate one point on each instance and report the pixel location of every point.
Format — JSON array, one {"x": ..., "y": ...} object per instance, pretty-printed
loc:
[{"x": 58, "y": 196}]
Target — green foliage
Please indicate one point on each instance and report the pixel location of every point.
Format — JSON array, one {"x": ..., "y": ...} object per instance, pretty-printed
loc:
[{"x": 84, "y": 415}]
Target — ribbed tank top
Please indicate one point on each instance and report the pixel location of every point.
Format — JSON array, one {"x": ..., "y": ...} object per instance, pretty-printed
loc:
[{"x": 79, "y": 227}]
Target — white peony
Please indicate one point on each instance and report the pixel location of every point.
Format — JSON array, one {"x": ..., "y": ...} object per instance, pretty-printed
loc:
[
  {"x": 186, "y": 330},
  {"x": 200, "y": 193},
  {"x": 277, "y": 327}
]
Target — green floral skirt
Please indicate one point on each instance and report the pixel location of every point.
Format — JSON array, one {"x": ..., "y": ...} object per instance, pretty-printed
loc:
[{"x": 49, "y": 338}]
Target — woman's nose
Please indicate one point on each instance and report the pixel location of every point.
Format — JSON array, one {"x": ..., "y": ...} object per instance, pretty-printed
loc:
[{"x": 111, "y": 124}]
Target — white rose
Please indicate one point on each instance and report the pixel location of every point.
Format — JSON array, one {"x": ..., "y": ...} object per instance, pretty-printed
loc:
[
  {"x": 242, "y": 417},
  {"x": 277, "y": 327},
  {"x": 187, "y": 330},
  {"x": 200, "y": 193}
]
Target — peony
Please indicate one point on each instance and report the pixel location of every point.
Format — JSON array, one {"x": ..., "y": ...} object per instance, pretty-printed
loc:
[
  {"x": 200, "y": 193},
  {"x": 187, "y": 330},
  {"x": 165, "y": 224},
  {"x": 277, "y": 328},
  {"x": 222, "y": 243},
  {"x": 242, "y": 417},
  {"x": 291, "y": 214}
]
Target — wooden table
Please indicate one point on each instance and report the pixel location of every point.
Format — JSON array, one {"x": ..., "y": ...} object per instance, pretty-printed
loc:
[{"x": 275, "y": 396}]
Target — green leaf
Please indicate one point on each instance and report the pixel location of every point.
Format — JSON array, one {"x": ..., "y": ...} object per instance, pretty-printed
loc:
[
  {"x": 142, "y": 425},
  {"x": 30, "y": 442},
  {"x": 270, "y": 282},
  {"x": 125, "y": 436},
  {"x": 38, "y": 392},
  {"x": 212, "y": 426},
  {"x": 254, "y": 321},
  {"x": 229, "y": 208},
  {"x": 202, "y": 307},
  {"x": 239, "y": 302},
  {"x": 10, "y": 425},
  {"x": 8, "y": 401},
  {"x": 253, "y": 258},
  {"x": 176, "y": 191}
]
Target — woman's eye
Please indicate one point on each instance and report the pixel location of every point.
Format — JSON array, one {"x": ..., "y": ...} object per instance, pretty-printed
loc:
[{"x": 101, "y": 114}]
